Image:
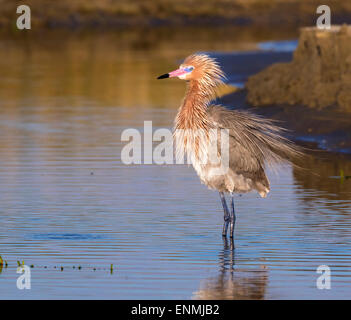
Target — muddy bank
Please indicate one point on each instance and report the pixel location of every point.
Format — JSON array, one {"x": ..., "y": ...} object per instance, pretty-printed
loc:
[
  {"x": 319, "y": 75},
  {"x": 120, "y": 13},
  {"x": 328, "y": 128}
]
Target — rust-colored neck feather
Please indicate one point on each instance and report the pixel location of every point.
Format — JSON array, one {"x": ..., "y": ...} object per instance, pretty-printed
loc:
[{"x": 192, "y": 113}]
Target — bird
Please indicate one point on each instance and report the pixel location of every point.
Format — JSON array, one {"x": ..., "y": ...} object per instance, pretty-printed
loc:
[{"x": 253, "y": 142}]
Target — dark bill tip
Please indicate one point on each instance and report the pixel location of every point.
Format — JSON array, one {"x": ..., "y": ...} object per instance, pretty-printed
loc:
[{"x": 164, "y": 76}]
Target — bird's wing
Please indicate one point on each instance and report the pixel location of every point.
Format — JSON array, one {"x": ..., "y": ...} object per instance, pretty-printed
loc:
[
  {"x": 241, "y": 157},
  {"x": 254, "y": 141}
]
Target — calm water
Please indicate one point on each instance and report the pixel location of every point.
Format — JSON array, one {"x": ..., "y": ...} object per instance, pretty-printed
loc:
[{"x": 67, "y": 200}]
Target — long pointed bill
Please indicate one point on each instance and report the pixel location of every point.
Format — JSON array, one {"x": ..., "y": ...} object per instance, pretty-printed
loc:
[{"x": 175, "y": 73}]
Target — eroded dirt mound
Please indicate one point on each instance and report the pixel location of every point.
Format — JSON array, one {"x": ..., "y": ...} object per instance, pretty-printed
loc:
[{"x": 318, "y": 76}]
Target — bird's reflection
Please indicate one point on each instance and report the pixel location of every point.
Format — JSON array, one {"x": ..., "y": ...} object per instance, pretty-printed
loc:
[
  {"x": 227, "y": 255},
  {"x": 232, "y": 283}
]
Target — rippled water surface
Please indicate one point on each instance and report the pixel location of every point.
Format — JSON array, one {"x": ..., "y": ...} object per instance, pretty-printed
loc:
[{"x": 67, "y": 200}]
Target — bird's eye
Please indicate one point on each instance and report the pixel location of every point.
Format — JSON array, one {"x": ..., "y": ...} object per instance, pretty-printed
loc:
[{"x": 189, "y": 69}]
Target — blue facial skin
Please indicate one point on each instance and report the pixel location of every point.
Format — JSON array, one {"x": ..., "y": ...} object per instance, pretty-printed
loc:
[{"x": 189, "y": 69}]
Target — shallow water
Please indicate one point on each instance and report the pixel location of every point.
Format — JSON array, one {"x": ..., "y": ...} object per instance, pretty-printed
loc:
[{"x": 67, "y": 200}]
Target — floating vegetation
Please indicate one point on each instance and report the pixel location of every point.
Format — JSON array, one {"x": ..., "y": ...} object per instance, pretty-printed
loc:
[
  {"x": 3, "y": 263},
  {"x": 343, "y": 177}
]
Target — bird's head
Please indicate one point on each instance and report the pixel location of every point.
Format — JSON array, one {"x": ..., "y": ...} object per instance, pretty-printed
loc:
[{"x": 198, "y": 67}]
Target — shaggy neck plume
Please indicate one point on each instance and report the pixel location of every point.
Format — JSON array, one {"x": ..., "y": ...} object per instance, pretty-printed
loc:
[{"x": 192, "y": 113}]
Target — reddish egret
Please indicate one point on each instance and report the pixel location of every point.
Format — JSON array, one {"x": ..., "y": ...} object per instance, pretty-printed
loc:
[{"x": 254, "y": 142}]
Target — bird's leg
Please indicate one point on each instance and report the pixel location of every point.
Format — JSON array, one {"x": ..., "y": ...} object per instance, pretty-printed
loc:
[
  {"x": 226, "y": 214},
  {"x": 232, "y": 217}
]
